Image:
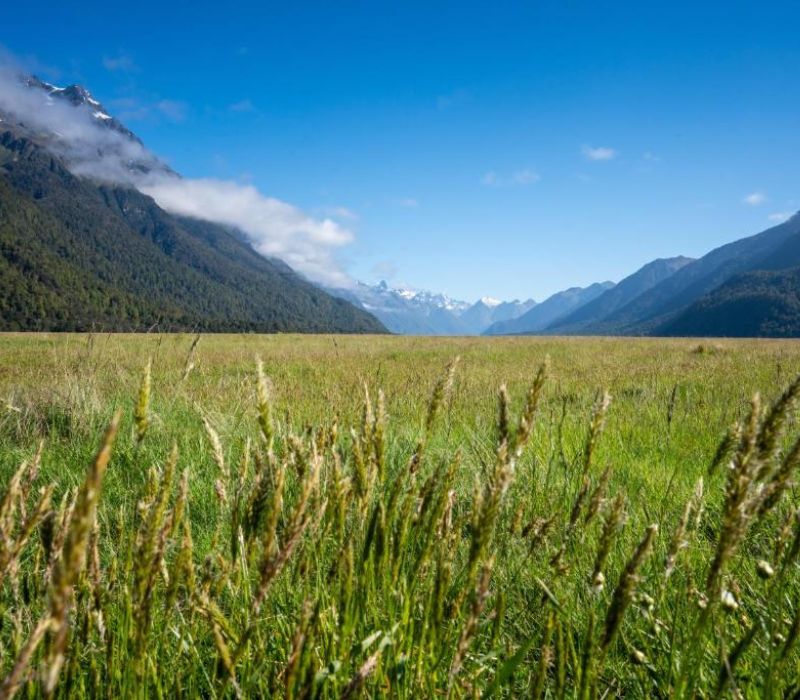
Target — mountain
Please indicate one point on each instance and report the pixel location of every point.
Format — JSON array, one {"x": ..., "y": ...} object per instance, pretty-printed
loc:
[
  {"x": 654, "y": 310},
  {"x": 763, "y": 303},
  {"x": 413, "y": 312},
  {"x": 550, "y": 310},
  {"x": 619, "y": 295},
  {"x": 406, "y": 311},
  {"x": 487, "y": 311},
  {"x": 79, "y": 96},
  {"x": 79, "y": 252}
]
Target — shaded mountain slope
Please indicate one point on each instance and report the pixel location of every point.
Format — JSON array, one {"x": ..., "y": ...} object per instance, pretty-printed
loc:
[
  {"x": 550, "y": 310},
  {"x": 659, "y": 305},
  {"x": 619, "y": 295},
  {"x": 762, "y": 303}
]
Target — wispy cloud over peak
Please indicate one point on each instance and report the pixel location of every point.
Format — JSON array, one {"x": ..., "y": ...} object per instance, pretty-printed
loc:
[
  {"x": 780, "y": 216},
  {"x": 523, "y": 177},
  {"x": 598, "y": 153},
  {"x": 754, "y": 199}
]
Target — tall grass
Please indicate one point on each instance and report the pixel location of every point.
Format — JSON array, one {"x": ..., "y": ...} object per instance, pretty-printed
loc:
[{"x": 242, "y": 552}]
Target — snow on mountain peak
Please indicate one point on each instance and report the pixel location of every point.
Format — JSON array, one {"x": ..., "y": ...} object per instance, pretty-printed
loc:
[{"x": 404, "y": 309}]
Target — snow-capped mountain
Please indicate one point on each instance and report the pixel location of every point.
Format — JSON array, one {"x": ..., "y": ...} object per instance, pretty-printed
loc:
[
  {"x": 79, "y": 96},
  {"x": 488, "y": 311},
  {"x": 418, "y": 312},
  {"x": 71, "y": 123}
]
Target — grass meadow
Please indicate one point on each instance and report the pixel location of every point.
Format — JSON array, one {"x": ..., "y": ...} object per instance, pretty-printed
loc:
[{"x": 321, "y": 517}]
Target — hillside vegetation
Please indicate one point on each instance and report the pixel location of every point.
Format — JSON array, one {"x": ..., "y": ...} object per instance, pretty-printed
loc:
[
  {"x": 761, "y": 303},
  {"x": 369, "y": 517}
]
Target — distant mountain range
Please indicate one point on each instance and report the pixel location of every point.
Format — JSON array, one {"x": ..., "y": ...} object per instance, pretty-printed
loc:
[
  {"x": 413, "y": 312},
  {"x": 77, "y": 252},
  {"x": 750, "y": 287},
  {"x": 745, "y": 288},
  {"x": 550, "y": 310},
  {"x": 619, "y": 295}
]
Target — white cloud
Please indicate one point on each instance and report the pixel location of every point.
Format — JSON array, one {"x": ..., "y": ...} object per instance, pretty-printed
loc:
[
  {"x": 598, "y": 152},
  {"x": 755, "y": 199},
  {"x": 73, "y": 133},
  {"x": 780, "y": 217},
  {"x": 523, "y": 177},
  {"x": 275, "y": 228},
  {"x": 408, "y": 203}
]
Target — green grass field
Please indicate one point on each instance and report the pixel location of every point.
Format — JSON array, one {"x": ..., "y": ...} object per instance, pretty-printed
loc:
[{"x": 360, "y": 520}]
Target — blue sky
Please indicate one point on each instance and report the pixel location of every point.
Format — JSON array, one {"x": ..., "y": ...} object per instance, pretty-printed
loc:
[{"x": 504, "y": 149}]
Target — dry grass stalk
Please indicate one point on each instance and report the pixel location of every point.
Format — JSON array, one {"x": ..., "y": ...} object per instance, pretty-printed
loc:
[
  {"x": 189, "y": 363},
  {"x": 613, "y": 520},
  {"x": 264, "y": 405},
  {"x": 471, "y": 625},
  {"x": 73, "y": 556},
  {"x": 679, "y": 540},
  {"x": 623, "y": 593},
  {"x": 141, "y": 415},
  {"x": 217, "y": 453}
]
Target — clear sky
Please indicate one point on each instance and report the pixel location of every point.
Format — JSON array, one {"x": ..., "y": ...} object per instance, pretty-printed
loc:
[{"x": 503, "y": 149}]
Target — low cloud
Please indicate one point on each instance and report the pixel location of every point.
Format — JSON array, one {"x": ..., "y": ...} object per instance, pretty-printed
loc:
[
  {"x": 523, "y": 177},
  {"x": 598, "y": 153},
  {"x": 75, "y": 134},
  {"x": 780, "y": 216},
  {"x": 408, "y": 203},
  {"x": 90, "y": 148},
  {"x": 754, "y": 199},
  {"x": 275, "y": 228}
]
